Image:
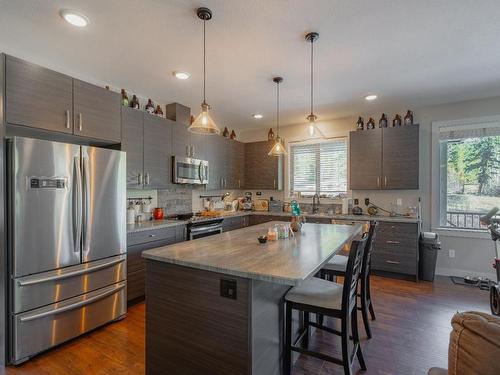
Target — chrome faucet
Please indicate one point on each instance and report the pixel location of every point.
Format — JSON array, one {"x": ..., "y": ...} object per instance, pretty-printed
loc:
[{"x": 315, "y": 203}]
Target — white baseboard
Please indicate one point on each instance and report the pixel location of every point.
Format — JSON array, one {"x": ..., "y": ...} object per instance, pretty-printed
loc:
[{"x": 462, "y": 273}]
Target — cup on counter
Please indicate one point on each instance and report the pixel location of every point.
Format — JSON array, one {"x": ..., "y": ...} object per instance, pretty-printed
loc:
[
  {"x": 272, "y": 234},
  {"x": 158, "y": 213}
]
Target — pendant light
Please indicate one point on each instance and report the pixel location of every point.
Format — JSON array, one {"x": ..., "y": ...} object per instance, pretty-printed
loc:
[
  {"x": 312, "y": 129},
  {"x": 278, "y": 147},
  {"x": 203, "y": 124}
]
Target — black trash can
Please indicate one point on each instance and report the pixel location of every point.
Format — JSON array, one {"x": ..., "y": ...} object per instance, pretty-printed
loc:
[{"x": 428, "y": 248}]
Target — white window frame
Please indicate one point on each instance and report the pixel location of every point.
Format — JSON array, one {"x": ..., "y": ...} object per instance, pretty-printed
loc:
[
  {"x": 436, "y": 172},
  {"x": 288, "y": 167}
]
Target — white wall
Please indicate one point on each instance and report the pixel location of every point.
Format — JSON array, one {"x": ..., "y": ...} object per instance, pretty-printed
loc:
[{"x": 472, "y": 255}]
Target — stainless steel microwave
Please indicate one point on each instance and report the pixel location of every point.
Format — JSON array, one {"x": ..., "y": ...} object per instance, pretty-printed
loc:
[{"x": 189, "y": 171}]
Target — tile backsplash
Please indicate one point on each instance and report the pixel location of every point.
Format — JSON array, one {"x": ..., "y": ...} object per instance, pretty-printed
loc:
[{"x": 176, "y": 200}]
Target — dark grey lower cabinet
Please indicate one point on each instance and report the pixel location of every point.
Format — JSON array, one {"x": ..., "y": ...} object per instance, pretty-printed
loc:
[
  {"x": 395, "y": 248},
  {"x": 232, "y": 223},
  {"x": 259, "y": 219},
  {"x": 318, "y": 220},
  {"x": 137, "y": 242}
]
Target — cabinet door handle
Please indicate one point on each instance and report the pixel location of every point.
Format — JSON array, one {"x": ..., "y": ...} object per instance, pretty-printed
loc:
[
  {"x": 221, "y": 182},
  {"x": 187, "y": 151},
  {"x": 393, "y": 242},
  {"x": 239, "y": 184},
  {"x": 274, "y": 184},
  {"x": 225, "y": 182},
  {"x": 385, "y": 181},
  {"x": 152, "y": 235},
  {"x": 378, "y": 182},
  {"x": 139, "y": 179},
  {"x": 192, "y": 151},
  {"x": 147, "y": 179},
  {"x": 392, "y": 262},
  {"x": 67, "y": 119},
  {"x": 80, "y": 122}
]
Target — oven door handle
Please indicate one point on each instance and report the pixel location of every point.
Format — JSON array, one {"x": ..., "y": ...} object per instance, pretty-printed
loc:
[{"x": 209, "y": 228}]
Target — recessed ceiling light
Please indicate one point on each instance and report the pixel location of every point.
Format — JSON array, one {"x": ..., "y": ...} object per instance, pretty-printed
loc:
[
  {"x": 371, "y": 97},
  {"x": 181, "y": 75},
  {"x": 74, "y": 17},
  {"x": 257, "y": 116}
]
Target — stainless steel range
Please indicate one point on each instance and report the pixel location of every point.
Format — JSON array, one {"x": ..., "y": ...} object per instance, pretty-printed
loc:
[
  {"x": 67, "y": 242},
  {"x": 203, "y": 227}
]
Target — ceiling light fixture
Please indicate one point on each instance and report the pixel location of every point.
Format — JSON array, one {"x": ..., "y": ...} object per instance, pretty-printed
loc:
[
  {"x": 311, "y": 127},
  {"x": 74, "y": 17},
  {"x": 258, "y": 116},
  {"x": 203, "y": 124},
  {"x": 182, "y": 75},
  {"x": 371, "y": 97},
  {"x": 278, "y": 148}
]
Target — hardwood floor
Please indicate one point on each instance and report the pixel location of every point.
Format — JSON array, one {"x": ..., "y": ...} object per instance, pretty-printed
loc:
[{"x": 410, "y": 335}]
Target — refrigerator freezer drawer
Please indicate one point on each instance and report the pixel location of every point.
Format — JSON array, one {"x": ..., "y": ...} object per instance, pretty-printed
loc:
[
  {"x": 41, "y": 329},
  {"x": 54, "y": 286}
]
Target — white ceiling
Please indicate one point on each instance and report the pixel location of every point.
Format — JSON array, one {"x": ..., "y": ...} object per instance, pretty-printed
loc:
[{"x": 409, "y": 52}]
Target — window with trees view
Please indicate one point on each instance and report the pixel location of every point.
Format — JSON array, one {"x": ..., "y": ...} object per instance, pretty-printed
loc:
[
  {"x": 470, "y": 175},
  {"x": 319, "y": 168}
]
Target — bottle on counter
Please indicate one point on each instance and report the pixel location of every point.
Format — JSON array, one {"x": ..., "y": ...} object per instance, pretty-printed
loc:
[
  {"x": 370, "y": 124},
  {"x": 124, "y": 99},
  {"x": 158, "y": 111},
  {"x": 360, "y": 125},
  {"x": 382, "y": 123},
  {"x": 150, "y": 107},
  {"x": 408, "y": 120},
  {"x": 397, "y": 121},
  {"x": 134, "y": 103}
]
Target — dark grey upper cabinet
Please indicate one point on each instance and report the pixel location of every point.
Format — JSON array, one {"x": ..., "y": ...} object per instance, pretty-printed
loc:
[
  {"x": 38, "y": 97},
  {"x": 261, "y": 170},
  {"x": 216, "y": 155},
  {"x": 235, "y": 164},
  {"x": 365, "y": 157},
  {"x": 198, "y": 145},
  {"x": 133, "y": 144},
  {"x": 181, "y": 145},
  {"x": 385, "y": 158},
  {"x": 96, "y": 112},
  {"x": 400, "y": 165},
  {"x": 157, "y": 152}
]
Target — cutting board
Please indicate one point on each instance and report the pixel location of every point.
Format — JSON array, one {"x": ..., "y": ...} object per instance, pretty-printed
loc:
[{"x": 261, "y": 205}]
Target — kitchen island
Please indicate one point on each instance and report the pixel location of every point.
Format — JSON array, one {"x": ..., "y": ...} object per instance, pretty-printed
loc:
[{"x": 214, "y": 305}]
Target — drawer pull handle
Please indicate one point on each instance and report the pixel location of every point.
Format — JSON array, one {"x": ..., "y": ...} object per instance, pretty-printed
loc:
[
  {"x": 392, "y": 262},
  {"x": 152, "y": 235},
  {"x": 74, "y": 306},
  {"x": 393, "y": 242}
]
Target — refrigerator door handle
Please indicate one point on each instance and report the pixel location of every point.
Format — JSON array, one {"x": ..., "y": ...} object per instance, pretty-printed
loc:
[
  {"x": 86, "y": 205},
  {"x": 73, "y": 306},
  {"x": 77, "y": 204}
]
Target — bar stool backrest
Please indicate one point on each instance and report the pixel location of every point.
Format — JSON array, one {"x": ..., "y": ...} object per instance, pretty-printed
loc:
[
  {"x": 365, "y": 269},
  {"x": 353, "y": 270}
]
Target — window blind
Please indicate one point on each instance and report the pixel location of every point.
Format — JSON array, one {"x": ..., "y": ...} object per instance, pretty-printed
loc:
[{"x": 319, "y": 168}]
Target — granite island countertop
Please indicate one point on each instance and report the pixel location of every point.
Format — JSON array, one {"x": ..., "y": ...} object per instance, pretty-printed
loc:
[{"x": 287, "y": 261}]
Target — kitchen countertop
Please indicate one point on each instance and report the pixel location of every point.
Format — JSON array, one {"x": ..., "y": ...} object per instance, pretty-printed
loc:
[
  {"x": 287, "y": 261},
  {"x": 157, "y": 224}
]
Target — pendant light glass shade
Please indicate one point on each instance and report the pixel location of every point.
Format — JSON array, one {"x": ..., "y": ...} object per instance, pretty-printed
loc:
[
  {"x": 278, "y": 148},
  {"x": 203, "y": 123}
]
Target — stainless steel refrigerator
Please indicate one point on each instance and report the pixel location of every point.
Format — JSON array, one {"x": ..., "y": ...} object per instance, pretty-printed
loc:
[{"x": 67, "y": 242}]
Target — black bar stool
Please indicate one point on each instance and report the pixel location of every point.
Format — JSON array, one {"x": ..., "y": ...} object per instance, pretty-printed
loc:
[
  {"x": 337, "y": 267},
  {"x": 331, "y": 299}
]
